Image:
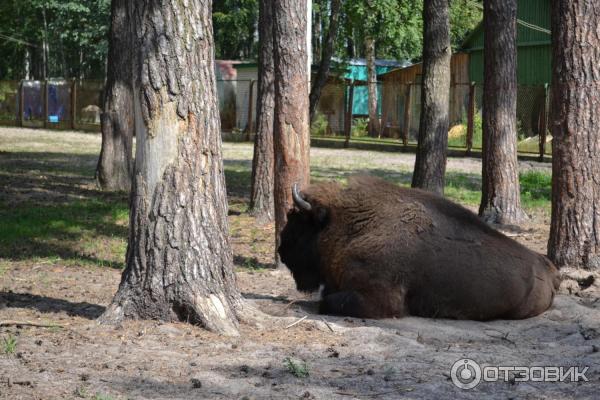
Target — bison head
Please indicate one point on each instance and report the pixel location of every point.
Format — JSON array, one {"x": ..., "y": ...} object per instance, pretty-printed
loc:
[{"x": 299, "y": 242}]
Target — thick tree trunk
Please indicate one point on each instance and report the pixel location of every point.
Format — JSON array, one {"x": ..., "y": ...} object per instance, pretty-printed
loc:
[
  {"x": 115, "y": 165},
  {"x": 291, "y": 129},
  {"x": 500, "y": 200},
  {"x": 179, "y": 261},
  {"x": 325, "y": 64},
  {"x": 432, "y": 146},
  {"x": 575, "y": 228},
  {"x": 261, "y": 192},
  {"x": 374, "y": 125}
]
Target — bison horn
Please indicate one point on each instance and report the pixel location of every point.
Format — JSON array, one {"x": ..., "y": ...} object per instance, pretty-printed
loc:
[{"x": 298, "y": 200}]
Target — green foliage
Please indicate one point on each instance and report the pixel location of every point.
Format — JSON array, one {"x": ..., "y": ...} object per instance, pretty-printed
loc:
[
  {"x": 9, "y": 345},
  {"x": 297, "y": 368},
  {"x": 464, "y": 17},
  {"x": 234, "y": 24},
  {"x": 461, "y": 141},
  {"x": 396, "y": 26},
  {"x": 320, "y": 125},
  {"x": 359, "y": 127},
  {"x": 536, "y": 189},
  {"x": 75, "y": 33}
]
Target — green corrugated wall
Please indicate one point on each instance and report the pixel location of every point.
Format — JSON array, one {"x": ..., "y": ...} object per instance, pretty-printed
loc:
[{"x": 534, "y": 53}]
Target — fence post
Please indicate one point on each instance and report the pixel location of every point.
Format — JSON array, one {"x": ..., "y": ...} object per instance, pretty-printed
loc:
[
  {"x": 73, "y": 103},
  {"x": 348, "y": 116},
  {"x": 406, "y": 128},
  {"x": 470, "y": 118},
  {"x": 21, "y": 107},
  {"x": 45, "y": 103},
  {"x": 250, "y": 110},
  {"x": 544, "y": 124}
]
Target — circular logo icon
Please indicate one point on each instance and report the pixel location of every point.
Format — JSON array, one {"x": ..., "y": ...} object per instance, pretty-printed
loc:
[{"x": 465, "y": 373}]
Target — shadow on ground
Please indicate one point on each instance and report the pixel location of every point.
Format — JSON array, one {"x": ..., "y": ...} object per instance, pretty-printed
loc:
[{"x": 50, "y": 305}]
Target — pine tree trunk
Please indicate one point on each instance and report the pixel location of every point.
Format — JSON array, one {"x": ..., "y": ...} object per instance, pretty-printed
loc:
[
  {"x": 291, "y": 129},
  {"x": 374, "y": 125},
  {"x": 261, "y": 192},
  {"x": 179, "y": 261},
  {"x": 575, "y": 228},
  {"x": 500, "y": 200},
  {"x": 115, "y": 165},
  {"x": 325, "y": 64},
  {"x": 432, "y": 146}
]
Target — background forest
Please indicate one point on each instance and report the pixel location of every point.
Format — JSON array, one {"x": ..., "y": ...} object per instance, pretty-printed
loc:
[{"x": 69, "y": 39}]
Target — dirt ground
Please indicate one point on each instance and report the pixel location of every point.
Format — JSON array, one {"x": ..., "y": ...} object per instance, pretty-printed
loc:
[{"x": 70, "y": 356}]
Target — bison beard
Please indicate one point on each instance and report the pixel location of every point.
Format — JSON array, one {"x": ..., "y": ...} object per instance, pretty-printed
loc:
[{"x": 385, "y": 251}]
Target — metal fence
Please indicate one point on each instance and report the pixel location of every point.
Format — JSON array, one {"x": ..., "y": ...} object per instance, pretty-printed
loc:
[{"x": 51, "y": 104}]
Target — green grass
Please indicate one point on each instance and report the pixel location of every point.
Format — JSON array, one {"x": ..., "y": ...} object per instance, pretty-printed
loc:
[
  {"x": 79, "y": 232},
  {"x": 9, "y": 345},
  {"x": 102, "y": 396},
  {"x": 297, "y": 368},
  {"x": 51, "y": 211}
]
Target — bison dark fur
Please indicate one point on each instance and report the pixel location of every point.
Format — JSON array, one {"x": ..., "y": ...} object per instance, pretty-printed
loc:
[{"x": 380, "y": 251}]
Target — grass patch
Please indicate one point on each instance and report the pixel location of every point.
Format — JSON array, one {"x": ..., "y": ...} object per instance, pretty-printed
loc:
[
  {"x": 102, "y": 396},
  {"x": 51, "y": 211},
  {"x": 81, "y": 232},
  {"x": 297, "y": 368},
  {"x": 536, "y": 189},
  {"x": 9, "y": 345}
]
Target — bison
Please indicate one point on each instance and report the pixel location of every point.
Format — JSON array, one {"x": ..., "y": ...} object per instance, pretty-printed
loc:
[{"x": 378, "y": 250}]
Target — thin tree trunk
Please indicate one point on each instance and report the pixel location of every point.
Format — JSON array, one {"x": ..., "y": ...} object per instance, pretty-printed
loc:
[
  {"x": 575, "y": 228},
  {"x": 317, "y": 12},
  {"x": 115, "y": 165},
  {"x": 432, "y": 146},
  {"x": 325, "y": 64},
  {"x": 291, "y": 129},
  {"x": 45, "y": 47},
  {"x": 261, "y": 192},
  {"x": 500, "y": 200},
  {"x": 179, "y": 260},
  {"x": 374, "y": 125}
]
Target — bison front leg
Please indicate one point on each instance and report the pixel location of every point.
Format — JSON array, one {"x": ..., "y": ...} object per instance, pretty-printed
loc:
[
  {"x": 379, "y": 301},
  {"x": 350, "y": 304}
]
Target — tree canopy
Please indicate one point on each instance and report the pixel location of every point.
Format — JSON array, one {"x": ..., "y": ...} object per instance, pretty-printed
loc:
[
  {"x": 66, "y": 38},
  {"x": 69, "y": 38}
]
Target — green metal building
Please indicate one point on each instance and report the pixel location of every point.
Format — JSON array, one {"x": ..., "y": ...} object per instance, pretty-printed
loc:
[{"x": 534, "y": 50}]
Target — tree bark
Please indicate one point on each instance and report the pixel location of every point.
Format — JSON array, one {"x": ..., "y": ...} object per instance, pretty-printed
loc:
[
  {"x": 500, "y": 200},
  {"x": 374, "y": 125},
  {"x": 115, "y": 165},
  {"x": 261, "y": 191},
  {"x": 291, "y": 129},
  {"x": 325, "y": 64},
  {"x": 179, "y": 261},
  {"x": 575, "y": 228},
  {"x": 432, "y": 146}
]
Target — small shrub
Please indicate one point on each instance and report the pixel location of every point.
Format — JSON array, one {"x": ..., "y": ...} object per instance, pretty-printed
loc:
[
  {"x": 81, "y": 392},
  {"x": 9, "y": 345},
  {"x": 461, "y": 139},
  {"x": 320, "y": 125},
  {"x": 296, "y": 368},
  {"x": 360, "y": 126}
]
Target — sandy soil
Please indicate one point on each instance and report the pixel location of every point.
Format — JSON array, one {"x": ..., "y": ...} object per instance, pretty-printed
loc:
[{"x": 73, "y": 357}]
